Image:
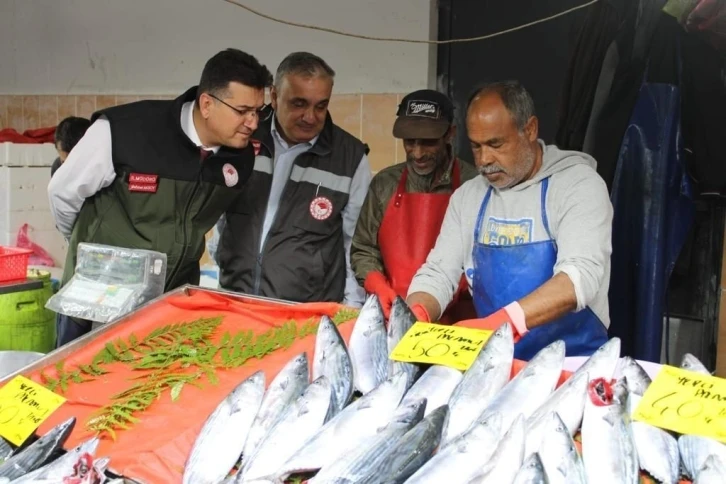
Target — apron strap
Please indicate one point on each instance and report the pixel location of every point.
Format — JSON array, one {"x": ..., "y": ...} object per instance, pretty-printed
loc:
[
  {"x": 480, "y": 217},
  {"x": 401, "y": 188},
  {"x": 455, "y": 175},
  {"x": 543, "y": 208}
]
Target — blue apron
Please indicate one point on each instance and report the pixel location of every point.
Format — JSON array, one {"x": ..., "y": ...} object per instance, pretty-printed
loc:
[{"x": 504, "y": 274}]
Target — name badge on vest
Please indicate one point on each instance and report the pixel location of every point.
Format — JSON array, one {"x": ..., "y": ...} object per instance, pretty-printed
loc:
[
  {"x": 321, "y": 208},
  {"x": 139, "y": 182}
]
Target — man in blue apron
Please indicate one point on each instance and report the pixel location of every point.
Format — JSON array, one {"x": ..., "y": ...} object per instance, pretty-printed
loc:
[{"x": 533, "y": 233}]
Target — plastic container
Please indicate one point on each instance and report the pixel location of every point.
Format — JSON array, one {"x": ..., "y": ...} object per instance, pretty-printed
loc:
[
  {"x": 25, "y": 323},
  {"x": 13, "y": 263}
]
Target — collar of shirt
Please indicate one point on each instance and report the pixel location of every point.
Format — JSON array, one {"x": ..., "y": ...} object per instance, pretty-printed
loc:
[
  {"x": 187, "y": 124},
  {"x": 281, "y": 143}
]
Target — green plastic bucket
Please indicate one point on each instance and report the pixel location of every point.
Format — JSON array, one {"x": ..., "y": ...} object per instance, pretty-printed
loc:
[{"x": 25, "y": 324}]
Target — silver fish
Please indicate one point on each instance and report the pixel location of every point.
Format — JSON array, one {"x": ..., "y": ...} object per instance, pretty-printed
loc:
[
  {"x": 63, "y": 465},
  {"x": 657, "y": 449},
  {"x": 531, "y": 387},
  {"x": 6, "y": 450},
  {"x": 691, "y": 363},
  {"x": 713, "y": 471},
  {"x": 357, "y": 422},
  {"x": 223, "y": 435},
  {"x": 560, "y": 458},
  {"x": 695, "y": 450},
  {"x": 368, "y": 348},
  {"x": 332, "y": 360},
  {"x": 608, "y": 449},
  {"x": 435, "y": 385},
  {"x": 298, "y": 423},
  {"x": 603, "y": 362},
  {"x": 504, "y": 464},
  {"x": 462, "y": 459},
  {"x": 568, "y": 400},
  {"x": 488, "y": 374},
  {"x": 400, "y": 321},
  {"x": 37, "y": 453},
  {"x": 412, "y": 451},
  {"x": 285, "y": 388},
  {"x": 359, "y": 462},
  {"x": 531, "y": 472}
]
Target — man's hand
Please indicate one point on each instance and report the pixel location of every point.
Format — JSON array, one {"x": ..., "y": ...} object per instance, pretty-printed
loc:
[
  {"x": 376, "y": 283},
  {"x": 492, "y": 323}
]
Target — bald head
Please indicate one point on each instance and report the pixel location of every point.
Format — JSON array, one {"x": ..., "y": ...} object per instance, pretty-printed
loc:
[{"x": 503, "y": 130}]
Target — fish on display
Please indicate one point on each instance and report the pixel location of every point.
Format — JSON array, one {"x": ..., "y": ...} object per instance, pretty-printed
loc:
[
  {"x": 355, "y": 423},
  {"x": 657, "y": 449},
  {"x": 713, "y": 471},
  {"x": 435, "y": 385},
  {"x": 223, "y": 435},
  {"x": 461, "y": 460},
  {"x": 691, "y": 363},
  {"x": 299, "y": 422},
  {"x": 364, "y": 458},
  {"x": 368, "y": 347},
  {"x": 37, "y": 454},
  {"x": 608, "y": 450},
  {"x": 332, "y": 360},
  {"x": 285, "y": 388},
  {"x": 63, "y": 465},
  {"x": 504, "y": 464},
  {"x": 694, "y": 451},
  {"x": 531, "y": 472},
  {"x": 412, "y": 451},
  {"x": 531, "y": 387},
  {"x": 400, "y": 321},
  {"x": 481, "y": 383},
  {"x": 6, "y": 450},
  {"x": 561, "y": 461}
]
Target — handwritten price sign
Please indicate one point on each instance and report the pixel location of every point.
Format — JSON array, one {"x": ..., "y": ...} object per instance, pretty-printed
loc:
[
  {"x": 438, "y": 344},
  {"x": 685, "y": 402},
  {"x": 24, "y": 405}
]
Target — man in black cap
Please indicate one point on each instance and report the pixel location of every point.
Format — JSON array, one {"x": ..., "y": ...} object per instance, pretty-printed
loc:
[{"x": 405, "y": 206}]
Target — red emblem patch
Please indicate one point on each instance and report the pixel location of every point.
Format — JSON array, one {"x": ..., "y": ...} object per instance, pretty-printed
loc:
[
  {"x": 140, "y": 182},
  {"x": 321, "y": 208}
]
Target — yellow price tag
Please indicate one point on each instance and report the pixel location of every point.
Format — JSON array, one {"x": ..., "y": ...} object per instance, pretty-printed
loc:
[
  {"x": 24, "y": 405},
  {"x": 685, "y": 402},
  {"x": 439, "y": 344}
]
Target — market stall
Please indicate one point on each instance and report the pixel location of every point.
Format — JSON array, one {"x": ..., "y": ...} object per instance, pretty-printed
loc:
[{"x": 147, "y": 384}]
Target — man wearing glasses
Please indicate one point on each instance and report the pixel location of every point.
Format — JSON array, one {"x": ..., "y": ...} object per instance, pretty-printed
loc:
[
  {"x": 289, "y": 234},
  {"x": 157, "y": 175}
]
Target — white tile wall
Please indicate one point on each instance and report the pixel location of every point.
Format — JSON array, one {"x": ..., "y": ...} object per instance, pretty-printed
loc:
[{"x": 24, "y": 177}]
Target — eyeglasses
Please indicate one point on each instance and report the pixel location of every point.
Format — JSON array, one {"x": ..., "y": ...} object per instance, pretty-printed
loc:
[{"x": 261, "y": 114}]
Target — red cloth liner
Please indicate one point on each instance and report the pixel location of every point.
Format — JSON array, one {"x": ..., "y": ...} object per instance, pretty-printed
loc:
[{"x": 29, "y": 136}]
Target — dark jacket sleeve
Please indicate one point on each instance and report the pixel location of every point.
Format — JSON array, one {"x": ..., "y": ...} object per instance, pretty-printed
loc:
[{"x": 365, "y": 255}]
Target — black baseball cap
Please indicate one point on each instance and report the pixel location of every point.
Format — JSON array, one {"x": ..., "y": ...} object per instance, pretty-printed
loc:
[{"x": 425, "y": 114}]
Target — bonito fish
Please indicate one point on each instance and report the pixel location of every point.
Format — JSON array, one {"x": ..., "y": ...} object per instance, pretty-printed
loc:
[
  {"x": 332, "y": 360},
  {"x": 560, "y": 458},
  {"x": 504, "y": 464},
  {"x": 691, "y": 363},
  {"x": 358, "y": 421},
  {"x": 300, "y": 421},
  {"x": 401, "y": 320},
  {"x": 695, "y": 450},
  {"x": 223, "y": 435},
  {"x": 435, "y": 385},
  {"x": 368, "y": 347},
  {"x": 63, "y": 465},
  {"x": 481, "y": 383},
  {"x": 713, "y": 471},
  {"x": 37, "y": 453},
  {"x": 608, "y": 449},
  {"x": 531, "y": 472},
  {"x": 285, "y": 388}
]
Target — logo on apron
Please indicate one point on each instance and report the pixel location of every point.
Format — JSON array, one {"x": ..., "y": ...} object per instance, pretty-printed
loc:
[
  {"x": 505, "y": 232},
  {"x": 321, "y": 208},
  {"x": 230, "y": 175}
]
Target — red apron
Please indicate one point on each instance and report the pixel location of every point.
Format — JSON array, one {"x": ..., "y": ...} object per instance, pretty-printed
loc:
[{"x": 408, "y": 232}]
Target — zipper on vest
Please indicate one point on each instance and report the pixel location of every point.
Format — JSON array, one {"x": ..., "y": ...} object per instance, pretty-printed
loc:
[{"x": 184, "y": 225}]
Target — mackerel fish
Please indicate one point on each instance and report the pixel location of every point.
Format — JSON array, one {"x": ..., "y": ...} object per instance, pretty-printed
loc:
[
  {"x": 531, "y": 387},
  {"x": 560, "y": 458},
  {"x": 504, "y": 464},
  {"x": 357, "y": 422},
  {"x": 368, "y": 347},
  {"x": 691, "y": 363},
  {"x": 713, "y": 471},
  {"x": 483, "y": 380},
  {"x": 357, "y": 463},
  {"x": 332, "y": 360},
  {"x": 285, "y": 388},
  {"x": 37, "y": 453},
  {"x": 531, "y": 472},
  {"x": 412, "y": 451},
  {"x": 461, "y": 460},
  {"x": 223, "y": 435},
  {"x": 435, "y": 385},
  {"x": 401, "y": 320},
  {"x": 695, "y": 450},
  {"x": 299, "y": 422},
  {"x": 608, "y": 449}
]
